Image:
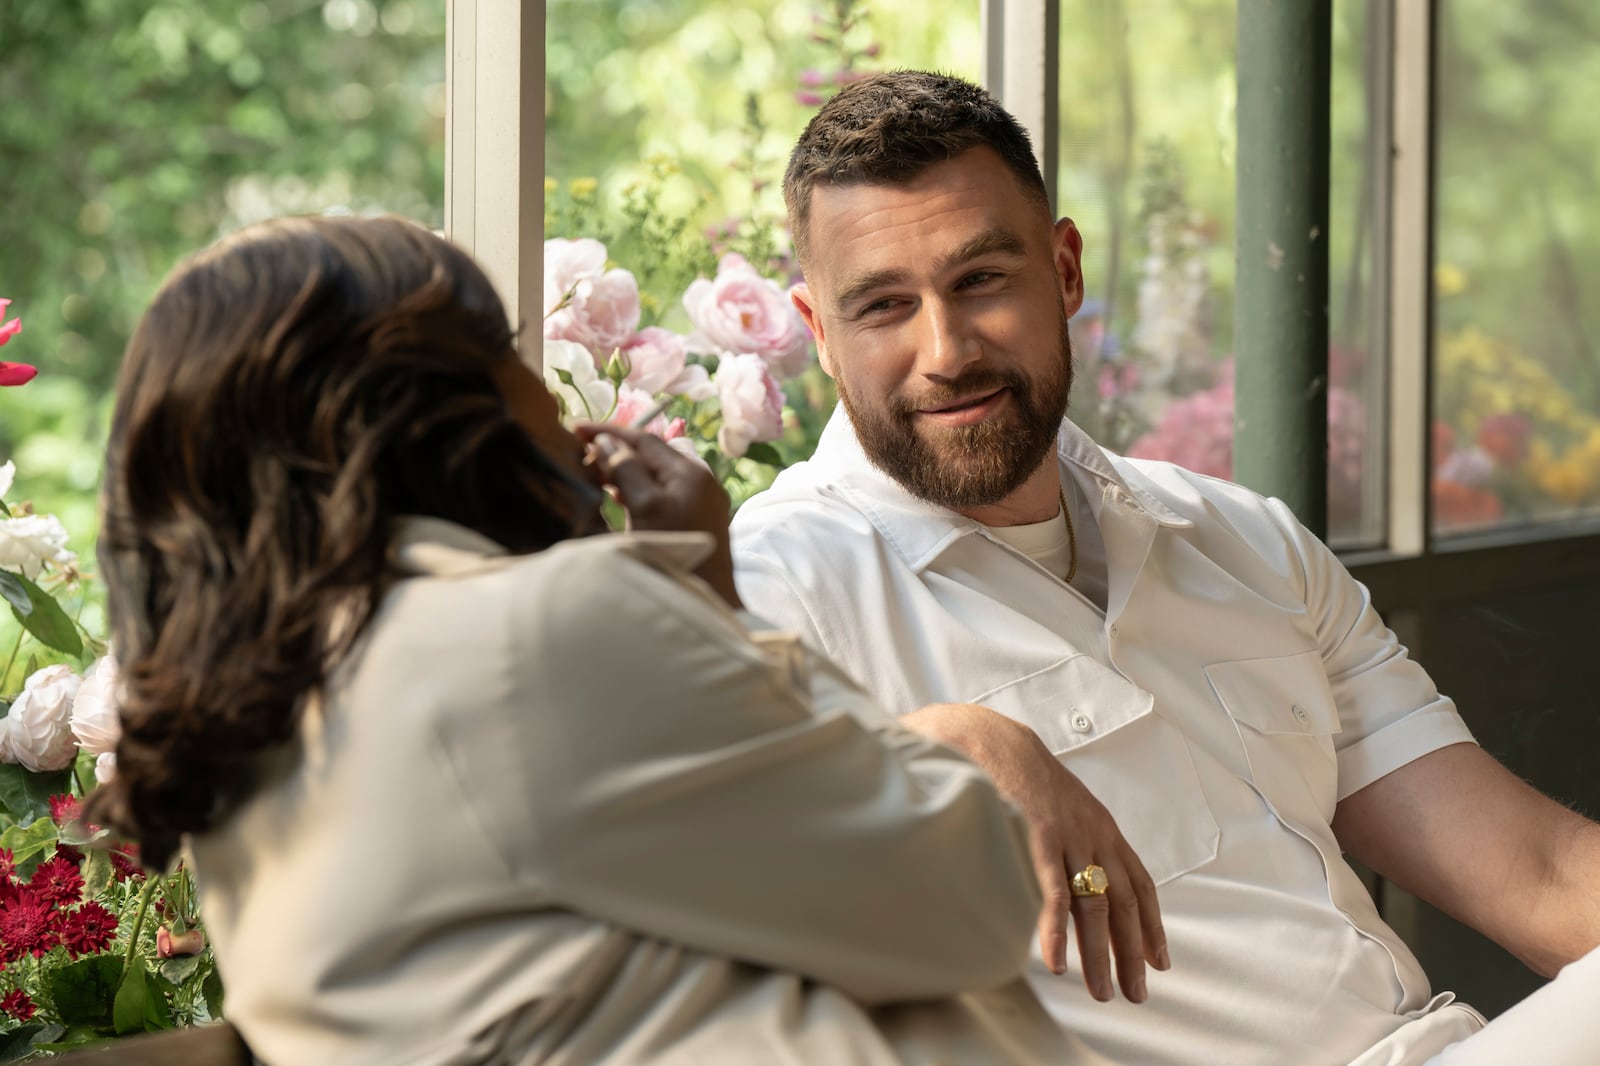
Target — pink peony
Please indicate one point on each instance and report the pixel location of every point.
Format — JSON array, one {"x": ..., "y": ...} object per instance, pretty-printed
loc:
[
  {"x": 742, "y": 312},
  {"x": 752, "y": 403},
  {"x": 601, "y": 308},
  {"x": 656, "y": 359}
]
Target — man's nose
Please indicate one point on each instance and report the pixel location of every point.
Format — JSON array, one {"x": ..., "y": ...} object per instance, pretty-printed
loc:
[{"x": 948, "y": 345}]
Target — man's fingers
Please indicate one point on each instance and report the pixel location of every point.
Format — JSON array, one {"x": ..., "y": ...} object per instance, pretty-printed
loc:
[
  {"x": 1127, "y": 934},
  {"x": 1154, "y": 933},
  {"x": 1093, "y": 915}
]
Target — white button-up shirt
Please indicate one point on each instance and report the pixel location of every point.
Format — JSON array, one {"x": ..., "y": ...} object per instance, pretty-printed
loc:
[{"x": 1236, "y": 687}]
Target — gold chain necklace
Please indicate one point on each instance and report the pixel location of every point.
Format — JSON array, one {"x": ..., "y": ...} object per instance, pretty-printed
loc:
[{"x": 1072, "y": 535}]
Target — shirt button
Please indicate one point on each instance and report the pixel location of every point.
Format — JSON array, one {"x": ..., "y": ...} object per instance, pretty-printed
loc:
[
  {"x": 1082, "y": 723},
  {"x": 1300, "y": 713}
]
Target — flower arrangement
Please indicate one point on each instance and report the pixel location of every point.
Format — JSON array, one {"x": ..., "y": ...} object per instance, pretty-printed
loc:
[
  {"x": 720, "y": 380},
  {"x": 91, "y": 946}
]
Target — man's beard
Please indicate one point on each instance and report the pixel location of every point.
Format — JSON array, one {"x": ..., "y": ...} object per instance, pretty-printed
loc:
[{"x": 962, "y": 467}]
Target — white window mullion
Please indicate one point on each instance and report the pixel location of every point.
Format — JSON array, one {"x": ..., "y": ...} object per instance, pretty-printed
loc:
[
  {"x": 1410, "y": 279},
  {"x": 1022, "y": 68},
  {"x": 494, "y": 147}
]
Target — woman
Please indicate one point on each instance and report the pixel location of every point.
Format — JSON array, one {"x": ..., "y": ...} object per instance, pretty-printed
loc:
[{"x": 462, "y": 784}]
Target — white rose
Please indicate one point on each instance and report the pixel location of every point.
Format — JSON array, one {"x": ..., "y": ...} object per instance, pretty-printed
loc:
[
  {"x": 584, "y": 393},
  {"x": 8, "y": 473},
  {"x": 94, "y": 712},
  {"x": 105, "y": 767},
  {"x": 40, "y": 729},
  {"x": 27, "y": 542}
]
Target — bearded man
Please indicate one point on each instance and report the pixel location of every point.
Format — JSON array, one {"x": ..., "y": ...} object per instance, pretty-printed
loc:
[{"x": 1192, "y": 701}]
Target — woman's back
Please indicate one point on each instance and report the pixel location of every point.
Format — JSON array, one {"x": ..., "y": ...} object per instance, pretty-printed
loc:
[{"x": 466, "y": 853}]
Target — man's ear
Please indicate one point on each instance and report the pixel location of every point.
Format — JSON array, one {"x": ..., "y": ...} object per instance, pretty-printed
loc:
[
  {"x": 803, "y": 302},
  {"x": 1069, "y": 264}
]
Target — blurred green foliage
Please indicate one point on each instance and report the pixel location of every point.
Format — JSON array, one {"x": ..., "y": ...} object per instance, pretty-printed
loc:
[{"x": 132, "y": 134}]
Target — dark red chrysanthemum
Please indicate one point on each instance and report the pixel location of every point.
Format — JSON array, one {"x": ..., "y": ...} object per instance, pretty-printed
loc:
[
  {"x": 125, "y": 861},
  {"x": 88, "y": 929},
  {"x": 58, "y": 881},
  {"x": 18, "y": 1004},
  {"x": 70, "y": 853},
  {"x": 65, "y": 809},
  {"x": 28, "y": 924},
  {"x": 8, "y": 864}
]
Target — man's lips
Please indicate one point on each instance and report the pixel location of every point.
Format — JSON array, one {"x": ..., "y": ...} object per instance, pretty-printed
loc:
[{"x": 967, "y": 410}]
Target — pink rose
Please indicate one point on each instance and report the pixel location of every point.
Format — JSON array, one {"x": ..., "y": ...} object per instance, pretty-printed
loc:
[
  {"x": 170, "y": 945},
  {"x": 95, "y": 722},
  {"x": 752, "y": 404},
  {"x": 601, "y": 309},
  {"x": 656, "y": 358},
  {"x": 742, "y": 312},
  {"x": 694, "y": 384}
]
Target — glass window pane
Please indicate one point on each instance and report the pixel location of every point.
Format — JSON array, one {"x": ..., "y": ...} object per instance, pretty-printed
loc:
[
  {"x": 137, "y": 133},
  {"x": 668, "y": 127},
  {"x": 1147, "y": 170},
  {"x": 1516, "y": 261}
]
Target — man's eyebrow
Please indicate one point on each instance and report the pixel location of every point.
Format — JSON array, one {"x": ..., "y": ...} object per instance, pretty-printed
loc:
[
  {"x": 992, "y": 241},
  {"x": 1001, "y": 241},
  {"x": 858, "y": 286}
]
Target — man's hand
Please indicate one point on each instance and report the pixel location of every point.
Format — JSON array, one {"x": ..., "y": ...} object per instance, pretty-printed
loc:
[
  {"x": 1069, "y": 829},
  {"x": 663, "y": 490}
]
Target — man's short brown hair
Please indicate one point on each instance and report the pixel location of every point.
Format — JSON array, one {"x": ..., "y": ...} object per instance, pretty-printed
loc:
[{"x": 888, "y": 128}]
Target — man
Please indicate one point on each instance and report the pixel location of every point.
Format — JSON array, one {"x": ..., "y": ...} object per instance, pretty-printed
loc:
[{"x": 1178, "y": 649}]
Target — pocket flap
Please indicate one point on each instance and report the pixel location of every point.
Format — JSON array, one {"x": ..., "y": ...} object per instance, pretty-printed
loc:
[
  {"x": 1281, "y": 694},
  {"x": 1070, "y": 703}
]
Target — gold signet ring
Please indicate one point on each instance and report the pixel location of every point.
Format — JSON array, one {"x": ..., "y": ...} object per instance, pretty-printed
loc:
[{"x": 1090, "y": 881}]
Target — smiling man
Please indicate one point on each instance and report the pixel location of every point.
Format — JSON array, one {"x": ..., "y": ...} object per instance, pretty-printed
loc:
[{"x": 1189, "y": 693}]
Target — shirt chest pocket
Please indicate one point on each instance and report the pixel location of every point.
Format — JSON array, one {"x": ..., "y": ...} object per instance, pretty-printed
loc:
[
  {"x": 1105, "y": 730},
  {"x": 1283, "y": 710}
]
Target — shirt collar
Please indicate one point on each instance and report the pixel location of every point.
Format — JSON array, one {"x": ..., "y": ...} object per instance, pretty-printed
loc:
[{"x": 918, "y": 530}]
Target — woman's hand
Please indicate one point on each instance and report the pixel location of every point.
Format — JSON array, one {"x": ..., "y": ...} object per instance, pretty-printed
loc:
[{"x": 663, "y": 490}]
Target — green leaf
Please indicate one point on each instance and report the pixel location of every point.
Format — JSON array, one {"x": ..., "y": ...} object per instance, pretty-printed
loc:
[
  {"x": 139, "y": 1006},
  {"x": 47, "y": 621},
  {"x": 211, "y": 989},
  {"x": 25, "y": 795},
  {"x": 14, "y": 592},
  {"x": 177, "y": 971},
  {"x": 84, "y": 991},
  {"x": 75, "y": 1037},
  {"x": 30, "y": 844},
  {"x": 761, "y": 452},
  {"x": 18, "y": 1043}
]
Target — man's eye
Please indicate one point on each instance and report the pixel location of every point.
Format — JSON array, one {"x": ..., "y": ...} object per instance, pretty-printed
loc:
[
  {"x": 876, "y": 306},
  {"x": 977, "y": 277}
]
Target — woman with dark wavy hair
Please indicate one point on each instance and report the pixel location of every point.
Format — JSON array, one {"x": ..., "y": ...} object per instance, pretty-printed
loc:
[{"x": 462, "y": 784}]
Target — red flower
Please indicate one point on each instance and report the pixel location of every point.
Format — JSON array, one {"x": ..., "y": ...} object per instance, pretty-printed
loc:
[
  {"x": 57, "y": 882},
  {"x": 27, "y": 924},
  {"x": 64, "y": 809},
  {"x": 8, "y": 864},
  {"x": 18, "y": 1004},
  {"x": 1505, "y": 438},
  {"x": 13, "y": 373},
  {"x": 125, "y": 861},
  {"x": 88, "y": 929}
]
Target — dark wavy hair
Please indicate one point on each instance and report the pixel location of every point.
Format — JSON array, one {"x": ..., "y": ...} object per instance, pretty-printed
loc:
[
  {"x": 888, "y": 128},
  {"x": 290, "y": 393}
]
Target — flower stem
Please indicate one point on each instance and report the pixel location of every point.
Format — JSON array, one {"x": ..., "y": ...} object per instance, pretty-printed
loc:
[
  {"x": 13, "y": 660},
  {"x": 150, "y": 883}
]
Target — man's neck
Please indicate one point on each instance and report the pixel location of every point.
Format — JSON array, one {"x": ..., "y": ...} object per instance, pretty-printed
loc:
[{"x": 1037, "y": 499}]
